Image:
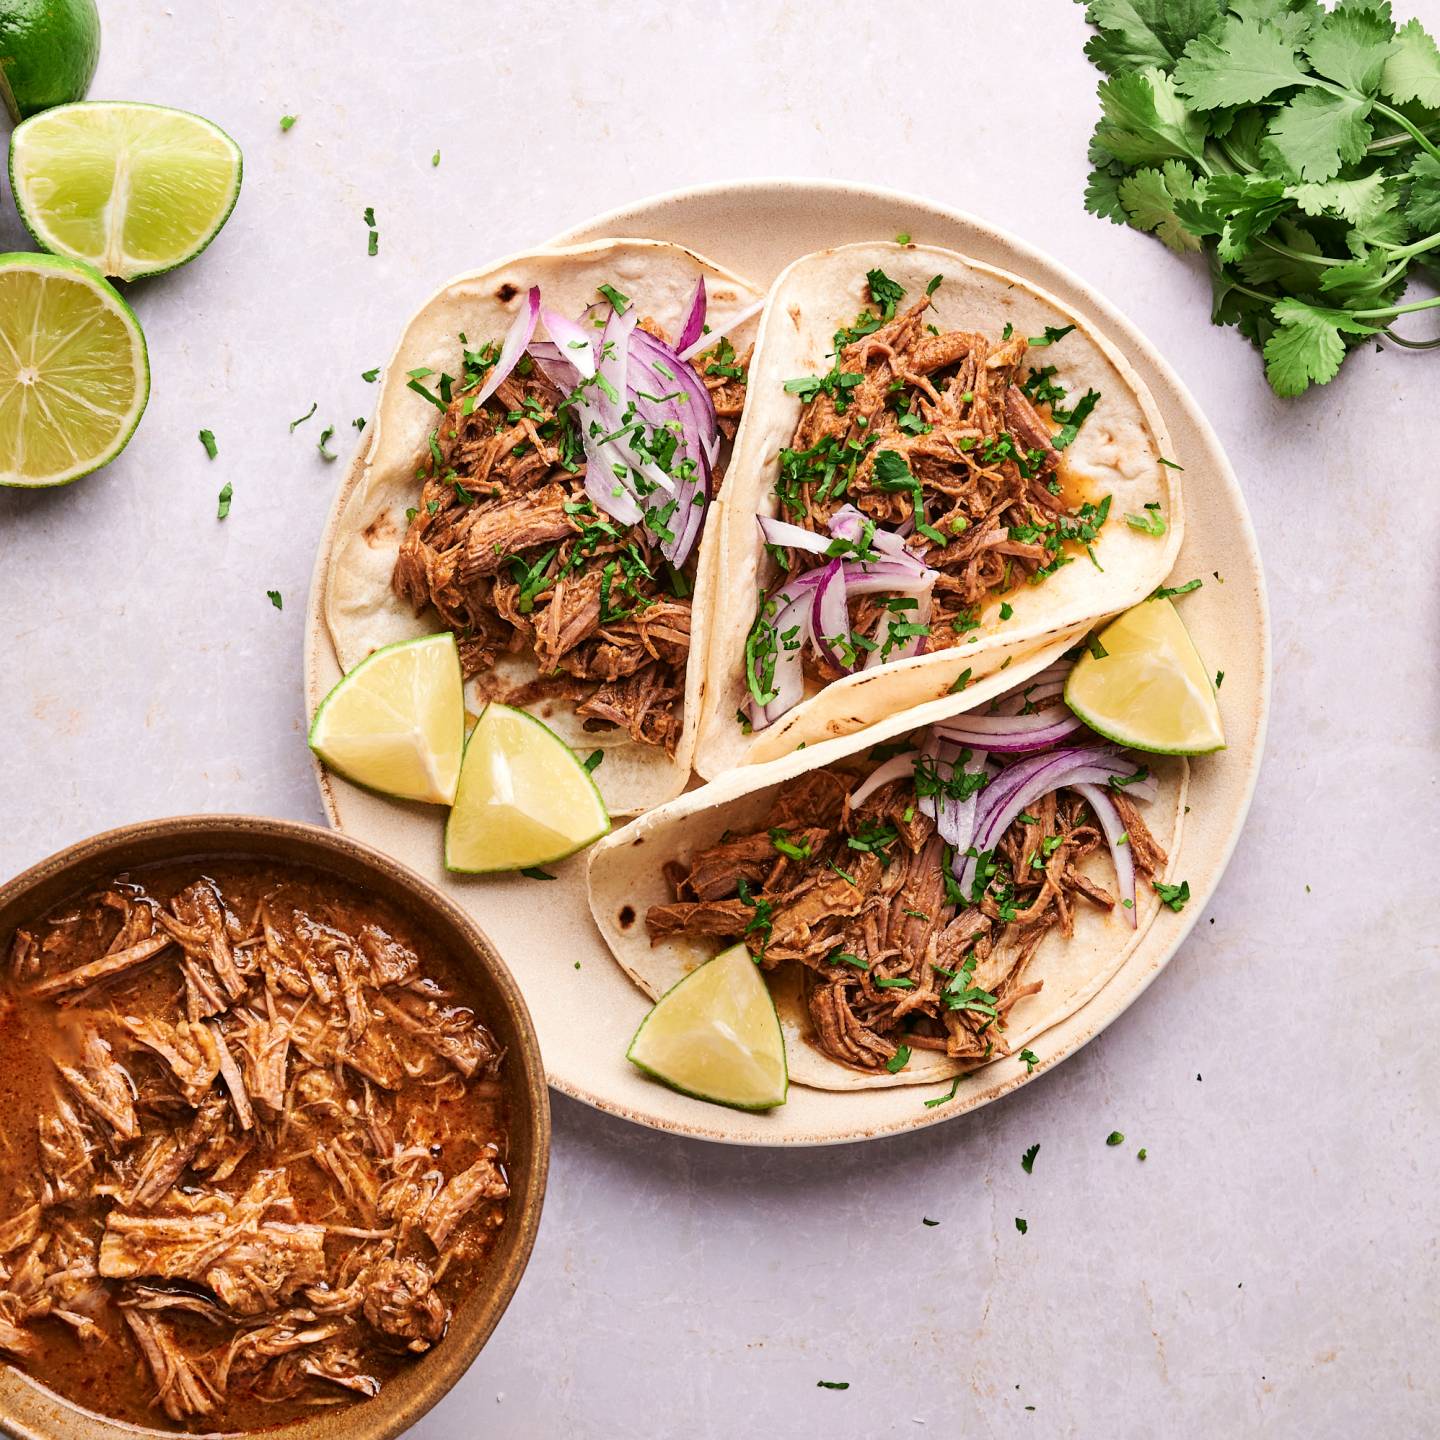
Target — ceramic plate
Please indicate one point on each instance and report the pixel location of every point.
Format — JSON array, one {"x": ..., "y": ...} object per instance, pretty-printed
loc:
[{"x": 584, "y": 1008}]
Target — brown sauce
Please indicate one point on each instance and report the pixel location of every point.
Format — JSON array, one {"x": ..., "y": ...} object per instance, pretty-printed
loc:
[{"x": 252, "y": 1145}]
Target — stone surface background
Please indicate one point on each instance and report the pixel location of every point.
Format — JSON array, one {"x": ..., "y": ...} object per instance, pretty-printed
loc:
[{"x": 1271, "y": 1268}]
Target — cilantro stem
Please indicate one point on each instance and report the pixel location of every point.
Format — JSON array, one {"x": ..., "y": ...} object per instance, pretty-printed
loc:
[
  {"x": 1415, "y": 132},
  {"x": 1396, "y": 309},
  {"x": 1412, "y": 344},
  {"x": 1390, "y": 142},
  {"x": 1280, "y": 248}
]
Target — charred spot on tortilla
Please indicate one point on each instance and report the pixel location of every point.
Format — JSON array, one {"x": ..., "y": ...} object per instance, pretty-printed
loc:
[
  {"x": 506, "y": 293},
  {"x": 379, "y": 531},
  {"x": 626, "y": 916}
]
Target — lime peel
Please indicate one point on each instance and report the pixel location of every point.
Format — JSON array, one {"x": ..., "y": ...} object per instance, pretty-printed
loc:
[
  {"x": 524, "y": 798},
  {"x": 1145, "y": 686},
  {"x": 715, "y": 1035},
  {"x": 74, "y": 371},
  {"x": 396, "y": 722}
]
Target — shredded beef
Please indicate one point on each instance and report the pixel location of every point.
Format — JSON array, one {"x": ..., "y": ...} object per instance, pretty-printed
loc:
[
  {"x": 506, "y": 546},
  {"x": 893, "y": 955},
  {"x": 975, "y": 427}
]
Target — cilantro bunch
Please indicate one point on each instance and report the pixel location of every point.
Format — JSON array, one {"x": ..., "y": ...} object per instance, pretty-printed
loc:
[{"x": 1297, "y": 148}]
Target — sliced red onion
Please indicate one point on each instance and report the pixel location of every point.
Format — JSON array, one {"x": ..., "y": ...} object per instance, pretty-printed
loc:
[
  {"x": 911, "y": 645},
  {"x": 694, "y": 325},
  {"x": 792, "y": 537},
  {"x": 898, "y": 767},
  {"x": 1120, "y": 852},
  {"x": 788, "y": 682},
  {"x": 570, "y": 341},
  {"x": 716, "y": 334},
  {"x": 1012, "y": 734},
  {"x": 517, "y": 337},
  {"x": 830, "y": 614},
  {"x": 954, "y": 818},
  {"x": 1021, "y": 785}
]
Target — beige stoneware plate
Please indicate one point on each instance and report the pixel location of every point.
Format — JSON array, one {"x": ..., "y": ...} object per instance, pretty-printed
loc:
[{"x": 585, "y": 1009}]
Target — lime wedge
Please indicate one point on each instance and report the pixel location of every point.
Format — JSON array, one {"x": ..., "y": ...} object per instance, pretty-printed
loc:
[
  {"x": 132, "y": 189},
  {"x": 715, "y": 1035},
  {"x": 74, "y": 375},
  {"x": 396, "y": 722},
  {"x": 1150, "y": 689},
  {"x": 48, "y": 50},
  {"x": 524, "y": 797}
]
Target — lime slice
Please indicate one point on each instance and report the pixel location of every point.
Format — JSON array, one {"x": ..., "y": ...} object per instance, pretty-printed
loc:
[
  {"x": 1150, "y": 689},
  {"x": 524, "y": 797},
  {"x": 715, "y": 1035},
  {"x": 396, "y": 722},
  {"x": 132, "y": 189},
  {"x": 48, "y": 50},
  {"x": 74, "y": 375}
]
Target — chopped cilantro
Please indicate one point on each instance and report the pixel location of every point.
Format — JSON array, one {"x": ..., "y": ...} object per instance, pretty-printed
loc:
[
  {"x": 1115, "y": 1138},
  {"x": 1021, "y": 1225},
  {"x": 324, "y": 440},
  {"x": 593, "y": 761},
  {"x": 207, "y": 439},
  {"x": 1027, "y": 1160},
  {"x": 315, "y": 405},
  {"x": 276, "y": 599},
  {"x": 618, "y": 302},
  {"x": 1051, "y": 335},
  {"x": 1175, "y": 896},
  {"x": 370, "y": 376},
  {"x": 534, "y": 872},
  {"x": 223, "y": 508},
  {"x": 1031, "y": 1060},
  {"x": 286, "y": 121},
  {"x": 898, "y": 1061}
]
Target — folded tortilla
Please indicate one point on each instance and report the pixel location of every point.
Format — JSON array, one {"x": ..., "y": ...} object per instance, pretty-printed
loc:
[
  {"x": 362, "y": 610},
  {"x": 1118, "y": 452},
  {"x": 627, "y": 876}
]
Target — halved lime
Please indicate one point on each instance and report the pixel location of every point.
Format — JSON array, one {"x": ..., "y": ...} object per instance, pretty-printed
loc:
[
  {"x": 1149, "y": 689},
  {"x": 715, "y": 1035},
  {"x": 524, "y": 797},
  {"x": 74, "y": 375},
  {"x": 132, "y": 189},
  {"x": 48, "y": 50},
  {"x": 396, "y": 722}
]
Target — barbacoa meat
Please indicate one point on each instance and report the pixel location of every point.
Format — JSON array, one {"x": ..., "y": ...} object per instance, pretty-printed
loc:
[
  {"x": 507, "y": 548},
  {"x": 267, "y": 1141},
  {"x": 956, "y": 438},
  {"x": 892, "y": 955}
]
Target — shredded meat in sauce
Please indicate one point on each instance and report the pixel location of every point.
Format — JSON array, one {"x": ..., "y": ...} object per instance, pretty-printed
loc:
[
  {"x": 950, "y": 433},
  {"x": 858, "y": 898},
  {"x": 505, "y": 545},
  {"x": 253, "y": 1146}
]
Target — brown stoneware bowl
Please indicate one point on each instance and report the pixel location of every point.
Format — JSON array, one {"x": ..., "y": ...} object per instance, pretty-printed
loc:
[{"x": 28, "y": 1411}]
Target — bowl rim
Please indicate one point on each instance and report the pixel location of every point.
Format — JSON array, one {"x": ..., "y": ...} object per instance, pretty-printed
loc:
[{"x": 209, "y": 835}]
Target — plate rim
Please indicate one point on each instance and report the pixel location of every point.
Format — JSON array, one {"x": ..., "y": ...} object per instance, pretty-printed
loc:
[{"x": 616, "y": 220}]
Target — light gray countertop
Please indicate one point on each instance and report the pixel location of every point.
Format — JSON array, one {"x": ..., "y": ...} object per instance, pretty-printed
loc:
[{"x": 1271, "y": 1268}]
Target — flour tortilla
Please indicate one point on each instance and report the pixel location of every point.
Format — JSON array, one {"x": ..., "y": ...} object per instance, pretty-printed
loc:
[
  {"x": 363, "y": 612},
  {"x": 626, "y": 876},
  {"x": 1117, "y": 453}
]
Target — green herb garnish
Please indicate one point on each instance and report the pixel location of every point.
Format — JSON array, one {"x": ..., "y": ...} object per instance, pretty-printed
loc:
[{"x": 207, "y": 439}]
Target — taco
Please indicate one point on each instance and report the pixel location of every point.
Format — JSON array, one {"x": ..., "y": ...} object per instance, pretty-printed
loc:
[
  {"x": 961, "y": 469},
  {"x": 549, "y": 438},
  {"x": 920, "y": 905}
]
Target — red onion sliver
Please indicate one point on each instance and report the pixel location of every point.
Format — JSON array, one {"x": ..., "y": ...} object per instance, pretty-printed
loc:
[
  {"x": 694, "y": 325},
  {"x": 570, "y": 341},
  {"x": 895, "y": 768},
  {"x": 792, "y": 537},
  {"x": 717, "y": 333},
  {"x": 517, "y": 337},
  {"x": 1120, "y": 852},
  {"x": 830, "y": 614}
]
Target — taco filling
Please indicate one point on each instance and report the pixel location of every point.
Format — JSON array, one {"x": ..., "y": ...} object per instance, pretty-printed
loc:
[
  {"x": 564, "y": 492},
  {"x": 911, "y": 887},
  {"x": 923, "y": 479}
]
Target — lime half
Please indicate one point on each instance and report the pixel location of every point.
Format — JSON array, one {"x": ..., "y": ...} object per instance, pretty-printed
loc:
[
  {"x": 1150, "y": 689},
  {"x": 132, "y": 189},
  {"x": 524, "y": 797},
  {"x": 74, "y": 375},
  {"x": 48, "y": 50},
  {"x": 715, "y": 1035},
  {"x": 396, "y": 722}
]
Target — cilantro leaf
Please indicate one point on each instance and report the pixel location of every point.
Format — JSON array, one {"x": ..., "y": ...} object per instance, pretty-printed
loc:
[
  {"x": 1137, "y": 33},
  {"x": 1350, "y": 46},
  {"x": 1357, "y": 200},
  {"x": 1422, "y": 208},
  {"x": 1243, "y": 62},
  {"x": 1102, "y": 194},
  {"x": 1146, "y": 122},
  {"x": 1308, "y": 345},
  {"x": 1149, "y": 197},
  {"x": 1412, "y": 68},
  {"x": 1027, "y": 1160},
  {"x": 1319, "y": 131}
]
